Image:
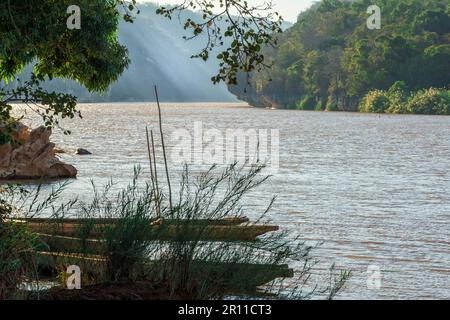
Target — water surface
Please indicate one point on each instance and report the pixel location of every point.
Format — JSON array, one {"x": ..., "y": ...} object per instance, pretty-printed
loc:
[{"x": 373, "y": 188}]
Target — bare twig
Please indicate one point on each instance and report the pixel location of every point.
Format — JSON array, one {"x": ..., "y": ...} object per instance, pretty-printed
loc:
[
  {"x": 164, "y": 149},
  {"x": 158, "y": 204},
  {"x": 150, "y": 161}
]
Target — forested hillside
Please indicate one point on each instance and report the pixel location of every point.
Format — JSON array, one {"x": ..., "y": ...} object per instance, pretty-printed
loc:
[{"x": 331, "y": 60}]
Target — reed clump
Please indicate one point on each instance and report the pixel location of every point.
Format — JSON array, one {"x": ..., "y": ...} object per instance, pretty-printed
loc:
[
  {"x": 143, "y": 239},
  {"x": 18, "y": 246}
]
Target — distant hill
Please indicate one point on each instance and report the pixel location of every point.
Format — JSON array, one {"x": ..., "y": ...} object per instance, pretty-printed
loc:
[
  {"x": 331, "y": 60},
  {"x": 158, "y": 56}
]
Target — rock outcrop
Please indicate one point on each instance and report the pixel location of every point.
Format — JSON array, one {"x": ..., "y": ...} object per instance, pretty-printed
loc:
[
  {"x": 83, "y": 152},
  {"x": 32, "y": 156}
]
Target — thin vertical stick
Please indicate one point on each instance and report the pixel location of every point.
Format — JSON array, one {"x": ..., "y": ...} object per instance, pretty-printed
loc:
[
  {"x": 158, "y": 208},
  {"x": 164, "y": 149},
  {"x": 150, "y": 160},
  {"x": 257, "y": 149}
]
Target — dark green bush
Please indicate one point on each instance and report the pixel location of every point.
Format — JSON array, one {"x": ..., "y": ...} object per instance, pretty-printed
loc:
[
  {"x": 17, "y": 258},
  {"x": 319, "y": 106},
  {"x": 332, "y": 106},
  {"x": 430, "y": 101},
  {"x": 18, "y": 245},
  {"x": 399, "y": 100},
  {"x": 375, "y": 101},
  {"x": 307, "y": 103},
  {"x": 398, "y": 87}
]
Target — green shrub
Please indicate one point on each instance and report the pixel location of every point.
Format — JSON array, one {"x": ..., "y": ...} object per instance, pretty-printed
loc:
[
  {"x": 17, "y": 262},
  {"x": 307, "y": 103},
  {"x": 398, "y": 96},
  {"x": 19, "y": 268},
  {"x": 17, "y": 259},
  {"x": 399, "y": 87},
  {"x": 319, "y": 106},
  {"x": 375, "y": 101},
  {"x": 430, "y": 101},
  {"x": 398, "y": 100},
  {"x": 332, "y": 106}
]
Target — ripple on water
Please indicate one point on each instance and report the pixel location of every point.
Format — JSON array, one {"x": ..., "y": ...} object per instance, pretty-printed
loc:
[{"x": 373, "y": 188}]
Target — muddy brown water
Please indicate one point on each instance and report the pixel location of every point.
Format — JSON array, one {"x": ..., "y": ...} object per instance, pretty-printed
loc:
[{"x": 374, "y": 189}]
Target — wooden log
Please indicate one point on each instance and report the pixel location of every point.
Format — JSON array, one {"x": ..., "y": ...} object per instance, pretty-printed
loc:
[
  {"x": 283, "y": 269},
  {"x": 170, "y": 232},
  {"x": 234, "y": 277},
  {"x": 229, "y": 221},
  {"x": 52, "y": 263},
  {"x": 72, "y": 256},
  {"x": 75, "y": 245}
]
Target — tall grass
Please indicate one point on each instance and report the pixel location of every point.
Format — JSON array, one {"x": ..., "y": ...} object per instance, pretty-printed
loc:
[
  {"x": 18, "y": 245},
  {"x": 170, "y": 250},
  {"x": 17, "y": 263},
  {"x": 121, "y": 238}
]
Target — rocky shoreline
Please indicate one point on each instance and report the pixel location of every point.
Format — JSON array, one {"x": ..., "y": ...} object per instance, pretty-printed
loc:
[{"x": 32, "y": 156}]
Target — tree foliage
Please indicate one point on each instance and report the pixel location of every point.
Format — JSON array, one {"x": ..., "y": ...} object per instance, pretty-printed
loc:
[
  {"x": 331, "y": 54},
  {"x": 35, "y": 32},
  {"x": 399, "y": 100},
  {"x": 244, "y": 27}
]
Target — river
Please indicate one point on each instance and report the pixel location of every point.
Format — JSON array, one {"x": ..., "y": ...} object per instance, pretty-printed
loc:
[{"x": 373, "y": 189}]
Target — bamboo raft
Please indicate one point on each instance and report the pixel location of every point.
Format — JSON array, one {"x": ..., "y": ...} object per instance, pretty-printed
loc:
[
  {"x": 53, "y": 259},
  {"x": 230, "y": 274},
  {"x": 230, "y": 221},
  {"x": 228, "y": 230},
  {"x": 82, "y": 242}
]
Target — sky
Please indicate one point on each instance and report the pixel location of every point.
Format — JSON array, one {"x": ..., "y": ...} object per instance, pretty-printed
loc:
[{"x": 289, "y": 9}]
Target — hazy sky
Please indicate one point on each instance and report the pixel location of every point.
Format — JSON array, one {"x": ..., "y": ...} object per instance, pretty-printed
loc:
[{"x": 289, "y": 9}]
